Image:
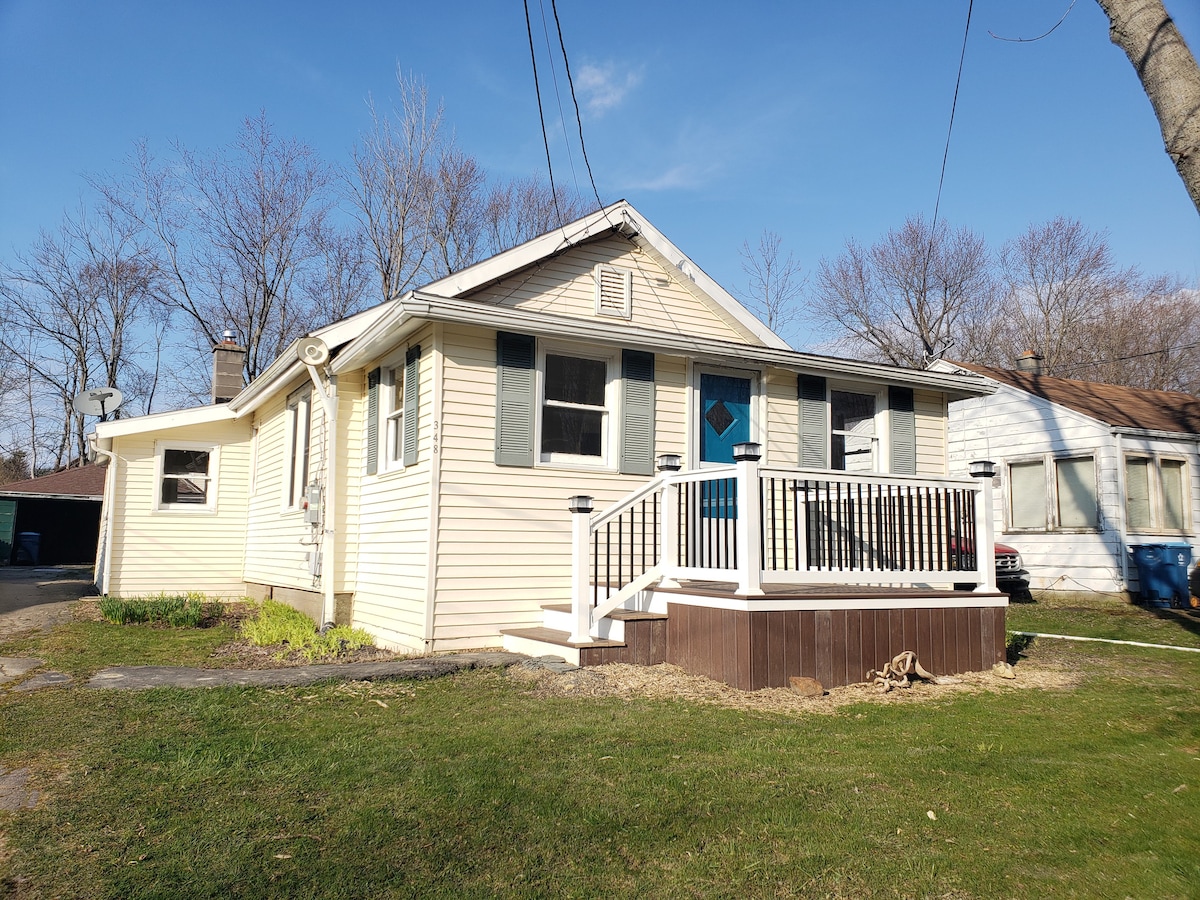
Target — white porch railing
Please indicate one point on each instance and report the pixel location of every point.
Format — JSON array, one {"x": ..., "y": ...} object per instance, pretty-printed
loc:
[{"x": 752, "y": 525}]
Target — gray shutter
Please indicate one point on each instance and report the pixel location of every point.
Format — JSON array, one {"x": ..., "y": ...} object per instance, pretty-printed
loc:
[
  {"x": 637, "y": 413},
  {"x": 412, "y": 380},
  {"x": 515, "y": 384},
  {"x": 904, "y": 430},
  {"x": 373, "y": 421},
  {"x": 814, "y": 422}
]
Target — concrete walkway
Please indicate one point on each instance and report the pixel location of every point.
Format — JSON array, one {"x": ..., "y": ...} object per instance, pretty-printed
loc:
[{"x": 135, "y": 678}]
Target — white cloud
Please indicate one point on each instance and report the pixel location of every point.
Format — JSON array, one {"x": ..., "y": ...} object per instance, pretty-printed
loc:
[{"x": 604, "y": 86}]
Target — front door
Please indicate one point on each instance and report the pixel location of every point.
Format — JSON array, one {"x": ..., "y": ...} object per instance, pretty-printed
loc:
[
  {"x": 724, "y": 416},
  {"x": 724, "y": 421}
]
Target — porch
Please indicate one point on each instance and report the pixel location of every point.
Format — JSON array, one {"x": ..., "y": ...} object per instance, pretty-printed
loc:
[{"x": 751, "y": 575}]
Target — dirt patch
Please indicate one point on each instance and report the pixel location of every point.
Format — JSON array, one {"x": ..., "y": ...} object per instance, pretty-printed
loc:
[{"x": 667, "y": 682}]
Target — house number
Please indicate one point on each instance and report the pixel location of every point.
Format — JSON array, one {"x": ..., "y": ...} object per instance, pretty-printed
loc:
[{"x": 437, "y": 435}]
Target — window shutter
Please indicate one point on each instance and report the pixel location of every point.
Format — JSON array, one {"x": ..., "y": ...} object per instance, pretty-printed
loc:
[
  {"x": 814, "y": 422},
  {"x": 412, "y": 377},
  {"x": 637, "y": 413},
  {"x": 904, "y": 430},
  {"x": 373, "y": 421},
  {"x": 515, "y": 385}
]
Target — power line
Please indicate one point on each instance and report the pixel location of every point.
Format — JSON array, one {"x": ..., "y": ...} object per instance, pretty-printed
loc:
[
  {"x": 953, "y": 107},
  {"x": 578, "y": 118},
  {"x": 1101, "y": 362},
  {"x": 557, "y": 95},
  {"x": 541, "y": 114}
]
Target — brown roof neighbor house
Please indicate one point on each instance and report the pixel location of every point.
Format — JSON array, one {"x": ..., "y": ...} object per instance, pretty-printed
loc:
[{"x": 1090, "y": 476}]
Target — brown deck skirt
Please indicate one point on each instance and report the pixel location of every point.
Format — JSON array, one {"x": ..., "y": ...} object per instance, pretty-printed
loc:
[{"x": 753, "y": 649}]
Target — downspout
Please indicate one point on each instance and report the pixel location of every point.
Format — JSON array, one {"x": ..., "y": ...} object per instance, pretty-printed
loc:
[
  {"x": 435, "y": 481},
  {"x": 327, "y": 391},
  {"x": 1122, "y": 517}
]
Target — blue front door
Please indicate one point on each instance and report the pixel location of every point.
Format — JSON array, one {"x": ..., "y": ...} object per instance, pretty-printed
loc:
[
  {"x": 724, "y": 416},
  {"x": 724, "y": 421}
]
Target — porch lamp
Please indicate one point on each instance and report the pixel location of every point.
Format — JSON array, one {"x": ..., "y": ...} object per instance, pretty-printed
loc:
[
  {"x": 670, "y": 462},
  {"x": 580, "y": 503},
  {"x": 982, "y": 468},
  {"x": 747, "y": 451}
]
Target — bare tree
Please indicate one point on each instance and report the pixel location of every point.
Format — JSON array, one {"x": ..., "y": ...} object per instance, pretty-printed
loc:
[
  {"x": 74, "y": 307},
  {"x": 1169, "y": 75},
  {"x": 775, "y": 283},
  {"x": 522, "y": 209},
  {"x": 459, "y": 207},
  {"x": 393, "y": 187},
  {"x": 236, "y": 230},
  {"x": 908, "y": 296}
]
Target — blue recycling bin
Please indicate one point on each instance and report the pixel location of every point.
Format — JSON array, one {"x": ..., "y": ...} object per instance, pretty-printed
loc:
[{"x": 1163, "y": 573}]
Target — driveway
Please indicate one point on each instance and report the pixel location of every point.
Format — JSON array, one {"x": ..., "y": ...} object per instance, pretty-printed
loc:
[{"x": 40, "y": 597}]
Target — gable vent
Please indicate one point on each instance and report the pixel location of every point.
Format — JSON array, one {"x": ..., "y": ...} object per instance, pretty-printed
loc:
[{"x": 614, "y": 292}]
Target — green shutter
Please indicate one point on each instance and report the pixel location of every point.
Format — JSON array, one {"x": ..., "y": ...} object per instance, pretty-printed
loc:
[
  {"x": 637, "y": 413},
  {"x": 904, "y": 430},
  {"x": 515, "y": 384},
  {"x": 373, "y": 421},
  {"x": 412, "y": 380},
  {"x": 814, "y": 422}
]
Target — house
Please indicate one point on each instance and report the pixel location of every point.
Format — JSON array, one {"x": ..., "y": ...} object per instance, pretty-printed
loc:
[
  {"x": 1087, "y": 471},
  {"x": 539, "y": 451},
  {"x": 53, "y": 519}
]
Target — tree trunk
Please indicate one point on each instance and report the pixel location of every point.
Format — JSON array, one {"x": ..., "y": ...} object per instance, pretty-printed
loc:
[{"x": 1169, "y": 75}]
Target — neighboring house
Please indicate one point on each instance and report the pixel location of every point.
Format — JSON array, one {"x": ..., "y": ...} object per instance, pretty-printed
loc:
[
  {"x": 1086, "y": 472},
  {"x": 409, "y": 470},
  {"x": 53, "y": 519}
]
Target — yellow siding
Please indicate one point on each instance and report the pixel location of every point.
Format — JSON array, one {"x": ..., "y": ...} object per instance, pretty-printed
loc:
[
  {"x": 165, "y": 550},
  {"x": 783, "y": 420},
  {"x": 278, "y": 540},
  {"x": 504, "y": 535},
  {"x": 565, "y": 285},
  {"x": 931, "y": 432},
  {"x": 393, "y": 536}
]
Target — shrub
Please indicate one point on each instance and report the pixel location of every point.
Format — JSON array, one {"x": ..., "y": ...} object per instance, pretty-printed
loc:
[
  {"x": 278, "y": 623},
  {"x": 188, "y": 610}
]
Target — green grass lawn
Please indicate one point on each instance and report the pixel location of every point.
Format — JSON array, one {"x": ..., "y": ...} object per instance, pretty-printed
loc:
[
  {"x": 472, "y": 787},
  {"x": 1102, "y": 617}
]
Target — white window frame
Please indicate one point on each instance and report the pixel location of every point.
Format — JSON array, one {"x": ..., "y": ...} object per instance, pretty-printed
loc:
[
  {"x": 1050, "y": 464},
  {"x": 609, "y": 442},
  {"x": 390, "y": 427},
  {"x": 880, "y": 446},
  {"x": 1157, "y": 498},
  {"x": 209, "y": 506},
  {"x": 298, "y": 462},
  {"x": 623, "y": 308}
]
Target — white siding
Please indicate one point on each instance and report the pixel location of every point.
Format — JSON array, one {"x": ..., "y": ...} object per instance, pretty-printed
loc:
[
  {"x": 564, "y": 285},
  {"x": 166, "y": 550},
  {"x": 1013, "y": 425}
]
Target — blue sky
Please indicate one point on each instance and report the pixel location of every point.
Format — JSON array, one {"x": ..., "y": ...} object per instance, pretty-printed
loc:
[{"x": 820, "y": 121}]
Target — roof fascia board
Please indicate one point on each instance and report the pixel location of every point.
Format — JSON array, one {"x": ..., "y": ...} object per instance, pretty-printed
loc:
[
  {"x": 420, "y": 305},
  {"x": 35, "y": 495},
  {"x": 1128, "y": 431},
  {"x": 180, "y": 418}
]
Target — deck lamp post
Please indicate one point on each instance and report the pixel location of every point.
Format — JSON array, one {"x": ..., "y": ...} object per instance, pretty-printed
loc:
[
  {"x": 748, "y": 450},
  {"x": 670, "y": 462},
  {"x": 581, "y": 589},
  {"x": 985, "y": 534}
]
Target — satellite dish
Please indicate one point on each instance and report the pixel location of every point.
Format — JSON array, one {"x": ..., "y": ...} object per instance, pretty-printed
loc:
[
  {"x": 312, "y": 351},
  {"x": 97, "y": 402}
]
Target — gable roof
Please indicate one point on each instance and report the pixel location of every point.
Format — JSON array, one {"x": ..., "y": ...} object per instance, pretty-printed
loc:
[
  {"x": 1112, "y": 404},
  {"x": 84, "y": 482}
]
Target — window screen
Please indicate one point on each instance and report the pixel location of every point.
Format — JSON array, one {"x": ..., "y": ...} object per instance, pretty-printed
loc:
[
  {"x": 1028, "y": 498},
  {"x": 1076, "y": 492}
]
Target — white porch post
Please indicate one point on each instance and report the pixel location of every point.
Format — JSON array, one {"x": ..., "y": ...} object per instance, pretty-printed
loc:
[
  {"x": 668, "y": 534},
  {"x": 985, "y": 526},
  {"x": 581, "y": 507},
  {"x": 749, "y": 516}
]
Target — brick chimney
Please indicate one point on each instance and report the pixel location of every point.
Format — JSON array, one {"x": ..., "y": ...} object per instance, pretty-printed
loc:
[
  {"x": 228, "y": 358},
  {"x": 1030, "y": 362}
]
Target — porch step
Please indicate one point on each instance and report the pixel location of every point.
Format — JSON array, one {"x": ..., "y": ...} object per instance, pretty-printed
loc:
[
  {"x": 543, "y": 641},
  {"x": 612, "y": 627}
]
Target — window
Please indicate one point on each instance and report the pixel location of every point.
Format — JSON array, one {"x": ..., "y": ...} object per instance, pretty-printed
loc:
[
  {"x": 1066, "y": 500},
  {"x": 299, "y": 411},
  {"x": 614, "y": 291},
  {"x": 1156, "y": 494},
  {"x": 575, "y": 407},
  {"x": 392, "y": 413},
  {"x": 392, "y": 409},
  {"x": 186, "y": 481},
  {"x": 852, "y": 431}
]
